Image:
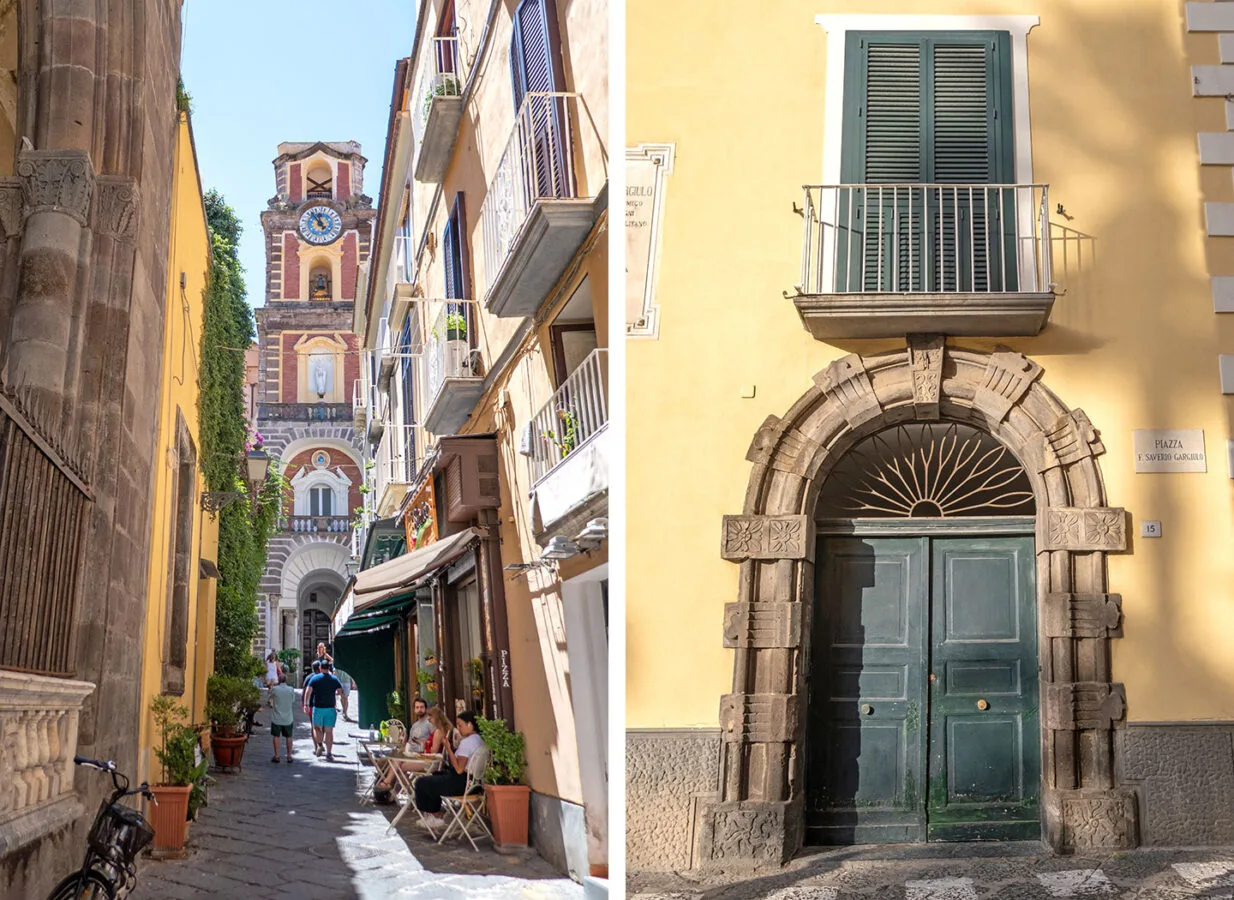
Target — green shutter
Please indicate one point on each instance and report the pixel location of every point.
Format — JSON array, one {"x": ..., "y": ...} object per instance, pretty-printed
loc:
[{"x": 926, "y": 108}]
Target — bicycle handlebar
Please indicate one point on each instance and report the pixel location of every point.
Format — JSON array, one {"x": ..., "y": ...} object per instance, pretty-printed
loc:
[{"x": 116, "y": 777}]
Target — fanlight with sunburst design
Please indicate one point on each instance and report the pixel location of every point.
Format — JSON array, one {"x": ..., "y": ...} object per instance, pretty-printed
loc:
[{"x": 927, "y": 470}]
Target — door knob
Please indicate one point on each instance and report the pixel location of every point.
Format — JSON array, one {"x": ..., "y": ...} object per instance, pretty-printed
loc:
[
  {"x": 867, "y": 709},
  {"x": 983, "y": 704}
]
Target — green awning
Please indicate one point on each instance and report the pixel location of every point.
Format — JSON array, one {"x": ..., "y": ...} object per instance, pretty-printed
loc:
[{"x": 362, "y": 624}]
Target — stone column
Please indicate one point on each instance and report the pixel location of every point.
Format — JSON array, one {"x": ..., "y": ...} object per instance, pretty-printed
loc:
[{"x": 57, "y": 186}]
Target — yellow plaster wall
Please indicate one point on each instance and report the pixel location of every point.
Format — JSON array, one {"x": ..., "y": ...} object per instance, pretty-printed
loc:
[
  {"x": 1134, "y": 341},
  {"x": 190, "y": 254}
]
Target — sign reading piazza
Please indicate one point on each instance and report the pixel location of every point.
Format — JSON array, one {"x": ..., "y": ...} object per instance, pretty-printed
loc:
[{"x": 1169, "y": 450}]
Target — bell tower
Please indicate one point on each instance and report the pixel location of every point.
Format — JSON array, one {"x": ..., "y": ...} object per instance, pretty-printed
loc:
[{"x": 317, "y": 230}]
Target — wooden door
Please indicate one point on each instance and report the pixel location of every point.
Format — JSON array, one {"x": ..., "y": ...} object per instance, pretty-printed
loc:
[
  {"x": 314, "y": 630},
  {"x": 985, "y": 735},
  {"x": 923, "y": 720}
]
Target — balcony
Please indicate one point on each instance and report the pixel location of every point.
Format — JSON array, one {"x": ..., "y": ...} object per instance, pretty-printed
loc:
[
  {"x": 395, "y": 467},
  {"x": 305, "y": 412},
  {"x": 404, "y": 264},
  {"x": 436, "y": 105},
  {"x": 885, "y": 260},
  {"x": 567, "y": 442},
  {"x": 359, "y": 405},
  {"x": 534, "y": 220},
  {"x": 318, "y": 524},
  {"x": 378, "y": 410},
  {"x": 453, "y": 369}
]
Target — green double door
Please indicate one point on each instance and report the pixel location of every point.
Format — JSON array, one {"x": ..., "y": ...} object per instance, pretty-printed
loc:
[{"x": 924, "y": 714}]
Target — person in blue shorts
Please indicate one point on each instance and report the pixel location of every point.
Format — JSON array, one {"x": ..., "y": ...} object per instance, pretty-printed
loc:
[{"x": 320, "y": 692}]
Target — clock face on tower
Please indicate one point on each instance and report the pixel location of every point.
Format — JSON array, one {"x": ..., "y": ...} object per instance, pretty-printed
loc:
[{"x": 320, "y": 225}]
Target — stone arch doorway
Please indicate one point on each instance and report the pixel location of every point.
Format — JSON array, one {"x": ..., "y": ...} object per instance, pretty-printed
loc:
[
  {"x": 759, "y": 816},
  {"x": 318, "y": 594}
]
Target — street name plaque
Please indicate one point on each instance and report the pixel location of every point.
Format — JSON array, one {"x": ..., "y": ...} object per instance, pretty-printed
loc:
[{"x": 1169, "y": 450}]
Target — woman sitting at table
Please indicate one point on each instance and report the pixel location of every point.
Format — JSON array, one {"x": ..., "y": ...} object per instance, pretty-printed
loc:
[{"x": 436, "y": 743}]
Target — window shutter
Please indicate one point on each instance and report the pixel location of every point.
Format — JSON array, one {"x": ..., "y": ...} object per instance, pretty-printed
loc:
[
  {"x": 449, "y": 253},
  {"x": 529, "y": 52},
  {"x": 928, "y": 107}
]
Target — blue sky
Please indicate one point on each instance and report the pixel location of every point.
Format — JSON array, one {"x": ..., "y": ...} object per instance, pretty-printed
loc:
[{"x": 265, "y": 71}]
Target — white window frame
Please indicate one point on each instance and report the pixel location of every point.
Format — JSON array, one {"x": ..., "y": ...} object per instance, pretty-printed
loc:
[{"x": 336, "y": 481}]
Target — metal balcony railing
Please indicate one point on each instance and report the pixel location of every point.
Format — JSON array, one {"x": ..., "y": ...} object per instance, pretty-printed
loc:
[
  {"x": 448, "y": 352},
  {"x": 925, "y": 238},
  {"x": 577, "y": 411},
  {"x": 441, "y": 75},
  {"x": 537, "y": 165},
  {"x": 318, "y": 524},
  {"x": 397, "y": 455}
]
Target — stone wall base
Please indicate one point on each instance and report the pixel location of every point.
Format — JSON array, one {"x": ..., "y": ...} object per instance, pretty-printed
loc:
[
  {"x": 559, "y": 834},
  {"x": 669, "y": 775},
  {"x": 1182, "y": 777}
]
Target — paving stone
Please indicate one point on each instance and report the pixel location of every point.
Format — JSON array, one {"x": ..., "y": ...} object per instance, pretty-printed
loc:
[{"x": 299, "y": 830}]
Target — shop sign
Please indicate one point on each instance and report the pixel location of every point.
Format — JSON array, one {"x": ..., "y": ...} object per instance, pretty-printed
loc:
[
  {"x": 420, "y": 519},
  {"x": 1169, "y": 450}
]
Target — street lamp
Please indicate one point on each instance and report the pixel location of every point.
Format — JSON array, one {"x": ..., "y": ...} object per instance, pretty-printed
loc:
[{"x": 257, "y": 465}]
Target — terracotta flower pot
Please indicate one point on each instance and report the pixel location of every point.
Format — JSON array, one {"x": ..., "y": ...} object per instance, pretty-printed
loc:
[
  {"x": 170, "y": 819},
  {"x": 228, "y": 751},
  {"x": 509, "y": 806}
]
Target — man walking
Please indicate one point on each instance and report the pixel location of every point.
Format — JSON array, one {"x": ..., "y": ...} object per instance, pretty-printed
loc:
[
  {"x": 307, "y": 705},
  {"x": 421, "y": 727},
  {"x": 321, "y": 691},
  {"x": 282, "y": 698}
]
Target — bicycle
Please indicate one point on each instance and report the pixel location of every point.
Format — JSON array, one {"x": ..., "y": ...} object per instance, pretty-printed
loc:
[{"x": 118, "y": 834}]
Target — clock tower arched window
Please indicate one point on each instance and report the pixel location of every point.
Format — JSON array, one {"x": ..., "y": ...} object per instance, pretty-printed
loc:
[{"x": 319, "y": 181}]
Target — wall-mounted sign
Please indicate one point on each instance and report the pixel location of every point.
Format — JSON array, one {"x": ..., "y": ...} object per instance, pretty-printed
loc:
[
  {"x": 646, "y": 167},
  {"x": 1169, "y": 450},
  {"x": 420, "y": 519}
]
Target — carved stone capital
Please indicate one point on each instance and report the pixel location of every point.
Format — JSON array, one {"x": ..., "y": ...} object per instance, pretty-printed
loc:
[
  {"x": 1008, "y": 376},
  {"x": 762, "y": 625},
  {"x": 767, "y": 537},
  {"x": 925, "y": 360},
  {"x": 1072, "y": 439},
  {"x": 1098, "y": 820},
  {"x": 749, "y": 834},
  {"x": 1083, "y": 615},
  {"x": 10, "y": 207},
  {"x": 783, "y": 448},
  {"x": 57, "y": 181},
  {"x": 758, "y": 718},
  {"x": 115, "y": 207},
  {"x": 1099, "y": 528},
  {"x": 1084, "y": 705},
  {"x": 847, "y": 380}
]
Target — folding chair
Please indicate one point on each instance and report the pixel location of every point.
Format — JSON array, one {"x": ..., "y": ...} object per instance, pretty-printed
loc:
[
  {"x": 396, "y": 733},
  {"x": 467, "y": 811},
  {"x": 405, "y": 780}
]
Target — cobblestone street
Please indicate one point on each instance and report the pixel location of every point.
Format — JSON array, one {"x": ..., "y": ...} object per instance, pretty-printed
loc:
[
  {"x": 299, "y": 830},
  {"x": 1013, "y": 871}
]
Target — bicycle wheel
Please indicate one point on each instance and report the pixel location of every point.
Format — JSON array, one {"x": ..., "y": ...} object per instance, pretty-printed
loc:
[{"x": 91, "y": 886}]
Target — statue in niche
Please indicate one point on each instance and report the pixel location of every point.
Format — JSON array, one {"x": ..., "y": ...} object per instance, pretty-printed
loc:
[
  {"x": 320, "y": 287},
  {"x": 319, "y": 375}
]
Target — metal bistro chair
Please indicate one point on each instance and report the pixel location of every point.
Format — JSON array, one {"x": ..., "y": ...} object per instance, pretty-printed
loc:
[
  {"x": 405, "y": 780},
  {"x": 466, "y": 812}
]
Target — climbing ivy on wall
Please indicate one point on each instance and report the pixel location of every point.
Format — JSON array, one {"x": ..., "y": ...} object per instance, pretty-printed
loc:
[{"x": 244, "y": 527}]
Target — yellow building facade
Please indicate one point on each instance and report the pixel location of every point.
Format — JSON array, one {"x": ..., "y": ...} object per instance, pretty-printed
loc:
[
  {"x": 485, "y": 397},
  {"x": 1015, "y": 243},
  {"x": 179, "y": 631}
]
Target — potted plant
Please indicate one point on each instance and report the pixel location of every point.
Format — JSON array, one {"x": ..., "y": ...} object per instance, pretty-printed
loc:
[
  {"x": 290, "y": 660},
  {"x": 182, "y": 790},
  {"x": 565, "y": 439},
  {"x": 509, "y": 801},
  {"x": 428, "y": 684},
  {"x": 447, "y": 86},
  {"x": 231, "y": 702}
]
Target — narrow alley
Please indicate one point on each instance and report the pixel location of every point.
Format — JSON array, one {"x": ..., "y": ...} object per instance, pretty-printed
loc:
[{"x": 276, "y": 830}]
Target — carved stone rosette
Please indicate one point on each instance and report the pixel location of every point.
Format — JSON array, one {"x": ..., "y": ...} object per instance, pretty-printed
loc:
[
  {"x": 1071, "y": 528},
  {"x": 767, "y": 537},
  {"x": 1098, "y": 820},
  {"x": 57, "y": 181},
  {"x": 38, "y": 739}
]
